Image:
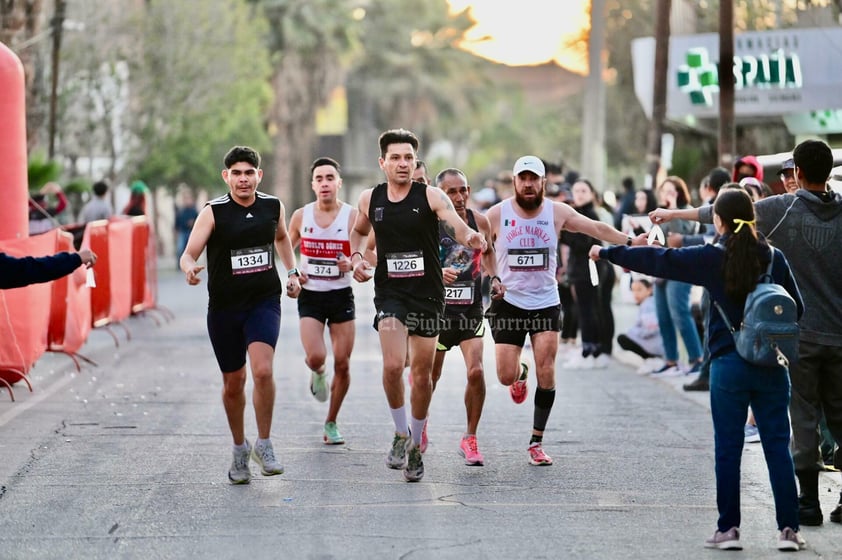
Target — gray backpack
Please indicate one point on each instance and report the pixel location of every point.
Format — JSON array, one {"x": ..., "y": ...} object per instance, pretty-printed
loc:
[{"x": 768, "y": 335}]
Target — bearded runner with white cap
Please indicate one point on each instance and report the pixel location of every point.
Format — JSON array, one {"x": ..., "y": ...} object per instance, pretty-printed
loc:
[{"x": 525, "y": 229}]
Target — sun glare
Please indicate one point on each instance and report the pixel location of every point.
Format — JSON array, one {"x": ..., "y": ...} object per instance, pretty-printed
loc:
[{"x": 527, "y": 31}]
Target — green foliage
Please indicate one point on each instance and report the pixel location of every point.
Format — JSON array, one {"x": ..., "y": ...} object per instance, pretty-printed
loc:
[
  {"x": 412, "y": 68},
  {"x": 77, "y": 186},
  {"x": 203, "y": 84},
  {"x": 41, "y": 171}
]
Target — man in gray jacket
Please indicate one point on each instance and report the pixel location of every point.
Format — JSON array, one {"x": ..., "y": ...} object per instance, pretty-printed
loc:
[{"x": 807, "y": 227}]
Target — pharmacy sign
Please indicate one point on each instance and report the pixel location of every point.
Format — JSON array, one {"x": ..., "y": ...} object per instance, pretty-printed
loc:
[{"x": 774, "y": 72}]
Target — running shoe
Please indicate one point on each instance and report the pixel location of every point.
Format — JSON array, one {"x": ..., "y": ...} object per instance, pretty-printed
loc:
[
  {"x": 414, "y": 470},
  {"x": 790, "y": 540},
  {"x": 537, "y": 457},
  {"x": 602, "y": 361},
  {"x": 468, "y": 449},
  {"x": 424, "y": 440},
  {"x": 318, "y": 385},
  {"x": 694, "y": 369},
  {"x": 240, "y": 473},
  {"x": 519, "y": 389},
  {"x": 576, "y": 362},
  {"x": 729, "y": 540},
  {"x": 264, "y": 455},
  {"x": 752, "y": 434},
  {"x": 836, "y": 514},
  {"x": 667, "y": 370},
  {"x": 396, "y": 459},
  {"x": 649, "y": 365},
  {"x": 332, "y": 435}
]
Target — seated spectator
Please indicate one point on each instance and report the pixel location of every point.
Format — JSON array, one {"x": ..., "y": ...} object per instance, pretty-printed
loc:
[{"x": 644, "y": 337}]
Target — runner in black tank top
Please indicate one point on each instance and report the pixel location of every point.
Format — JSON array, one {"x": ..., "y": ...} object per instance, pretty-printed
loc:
[
  {"x": 244, "y": 236},
  {"x": 241, "y": 231},
  {"x": 463, "y": 321},
  {"x": 408, "y": 285},
  {"x": 405, "y": 231}
]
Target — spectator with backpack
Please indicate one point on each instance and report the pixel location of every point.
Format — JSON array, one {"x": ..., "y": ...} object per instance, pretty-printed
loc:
[
  {"x": 807, "y": 227},
  {"x": 729, "y": 271}
]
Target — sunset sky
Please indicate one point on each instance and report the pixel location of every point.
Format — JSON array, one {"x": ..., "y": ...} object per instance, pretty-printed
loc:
[{"x": 528, "y": 31}]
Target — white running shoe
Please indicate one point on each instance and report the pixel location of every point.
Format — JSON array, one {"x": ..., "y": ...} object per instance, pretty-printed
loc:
[
  {"x": 318, "y": 385},
  {"x": 602, "y": 361},
  {"x": 575, "y": 362}
]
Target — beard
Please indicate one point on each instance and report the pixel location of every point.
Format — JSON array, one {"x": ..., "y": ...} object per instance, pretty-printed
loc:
[{"x": 528, "y": 204}]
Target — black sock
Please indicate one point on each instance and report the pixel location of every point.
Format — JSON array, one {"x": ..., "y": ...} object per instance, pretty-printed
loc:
[{"x": 544, "y": 399}]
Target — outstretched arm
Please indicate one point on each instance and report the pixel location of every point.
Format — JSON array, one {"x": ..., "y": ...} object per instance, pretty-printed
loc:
[
  {"x": 18, "y": 272},
  {"x": 663, "y": 215},
  {"x": 573, "y": 221},
  {"x": 453, "y": 224}
]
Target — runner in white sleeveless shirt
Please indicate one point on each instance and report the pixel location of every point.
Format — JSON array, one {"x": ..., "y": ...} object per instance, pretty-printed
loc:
[
  {"x": 525, "y": 300},
  {"x": 321, "y": 228}
]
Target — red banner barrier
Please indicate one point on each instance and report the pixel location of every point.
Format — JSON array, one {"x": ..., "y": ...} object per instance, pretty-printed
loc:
[
  {"x": 24, "y": 312},
  {"x": 150, "y": 300},
  {"x": 120, "y": 267},
  {"x": 70, "y": 312},
  {"x": 140, "y": 258},
  {"x": 96, "y": 239}
]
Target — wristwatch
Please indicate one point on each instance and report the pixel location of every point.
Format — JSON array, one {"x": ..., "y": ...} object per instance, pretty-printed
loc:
[
  {"x": 293, "y": 272},
  {"x": 629, "y": 241}
]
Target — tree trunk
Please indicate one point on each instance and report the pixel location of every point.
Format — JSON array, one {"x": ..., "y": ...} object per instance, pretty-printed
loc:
[
  {"x": 659, "y": 96},
  {"x": 726, "y": 84},
  {"x": 20, "y": 21}
]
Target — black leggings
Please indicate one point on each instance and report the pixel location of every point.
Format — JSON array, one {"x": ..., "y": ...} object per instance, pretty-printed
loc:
[{"x": 628, "y": 344}]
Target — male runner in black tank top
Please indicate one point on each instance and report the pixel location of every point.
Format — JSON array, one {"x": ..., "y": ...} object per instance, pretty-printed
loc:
[
  {"x": 463, "y": 321},
  {"x": 408, "y": 287},
  {"x": 242, "y": 230}
]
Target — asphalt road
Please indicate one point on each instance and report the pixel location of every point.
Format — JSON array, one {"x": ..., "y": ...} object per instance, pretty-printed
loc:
[{"x": 128, "y": 459}]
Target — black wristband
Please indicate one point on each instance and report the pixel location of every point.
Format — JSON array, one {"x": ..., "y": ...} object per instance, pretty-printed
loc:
[
  {"x": 629, "y": 241},
  {"x": 495, "y": 277},
  {"x": 357, "y": 253}
]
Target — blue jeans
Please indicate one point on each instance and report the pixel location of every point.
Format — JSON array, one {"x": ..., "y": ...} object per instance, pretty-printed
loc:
[
  {"x": 734, "y": 385},
  {"x": 181, "y": 238},
  {"x": 672, "y": 305}
]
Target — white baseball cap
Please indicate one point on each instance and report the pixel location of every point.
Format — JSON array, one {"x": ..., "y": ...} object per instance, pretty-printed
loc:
[{"x": 529, "y": 163}]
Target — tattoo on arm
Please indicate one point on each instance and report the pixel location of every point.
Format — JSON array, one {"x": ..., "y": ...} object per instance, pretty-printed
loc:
[
  {"x": 449, "y": 229},
  {"x": 447, "y": 203}
]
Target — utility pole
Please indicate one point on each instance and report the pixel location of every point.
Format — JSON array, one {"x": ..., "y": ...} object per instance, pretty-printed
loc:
[
  {"x": 57, "y": 25},
  {"x": 659, "y": 95},
  {"x": 727, "y": 132},
  {"x": 593, "y": 126}
]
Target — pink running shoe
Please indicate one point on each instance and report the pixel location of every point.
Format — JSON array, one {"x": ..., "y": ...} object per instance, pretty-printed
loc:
[
  {"x": 423, "y": 445},
  {"x": 518, "y": 390},
  {"x": 537, "y": 456},
  {"x": 468, "y": 450}
]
